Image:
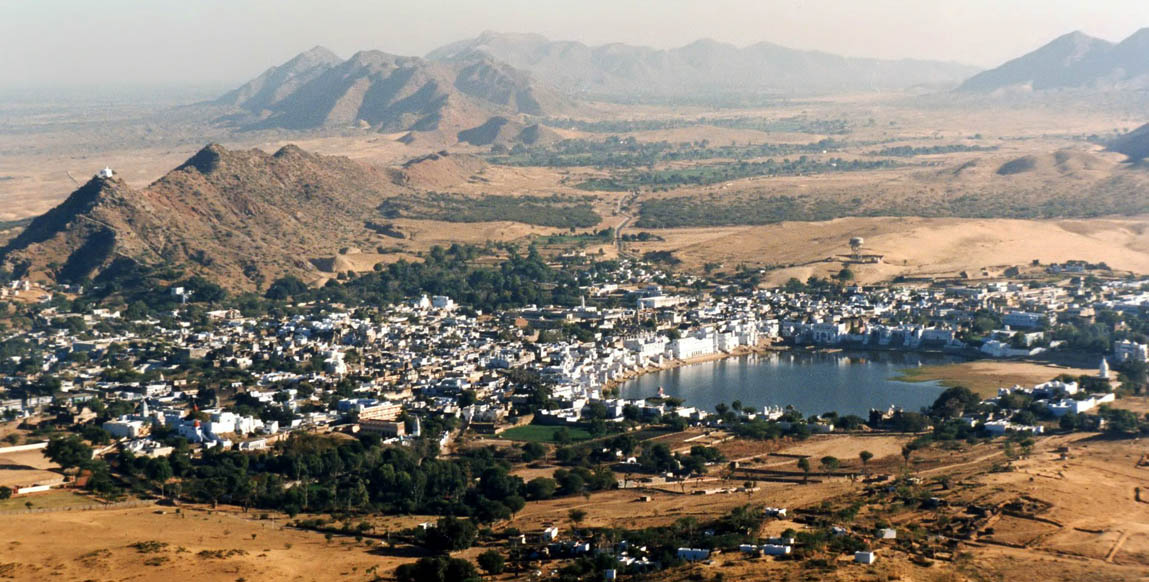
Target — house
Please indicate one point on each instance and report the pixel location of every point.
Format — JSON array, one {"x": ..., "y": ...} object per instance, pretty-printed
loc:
[
  {"x": 865, "y": 557},
  {"x": 693, "y": 554},
  {"x": 828, "y": 333},
  {"x": 124, "y": 428},
  {"x": 1126, "y": 350},
  {"x": 1025, "y": 320},
  {"x": 386, "y": 428}
]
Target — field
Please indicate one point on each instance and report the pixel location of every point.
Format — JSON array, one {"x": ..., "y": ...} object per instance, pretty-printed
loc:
[
  {"x": 215, "y": 546},
  {"x": 911, "y": 247},
  {"x": 1066, "y": 523},
  {"x": 24, "y": 468},
  {"x": 54, "y": 499},
  {"x": 536, "y": 433}
]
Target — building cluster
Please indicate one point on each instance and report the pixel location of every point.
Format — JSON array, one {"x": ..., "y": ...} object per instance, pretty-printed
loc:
[{"x": 383, "y": 369}]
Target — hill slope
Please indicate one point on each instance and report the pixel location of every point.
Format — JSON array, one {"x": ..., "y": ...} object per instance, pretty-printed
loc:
[
  {"x": 1134, "y": 144},
  {"x": 268, "y": 89},
  {"x": 238, "y": 217},
  {"x": 705, "y": 67},
  {"x": 1073, "y": 61}
]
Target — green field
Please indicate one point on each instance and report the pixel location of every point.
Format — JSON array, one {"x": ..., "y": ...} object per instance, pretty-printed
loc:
[{"x": 542, "y": 434}]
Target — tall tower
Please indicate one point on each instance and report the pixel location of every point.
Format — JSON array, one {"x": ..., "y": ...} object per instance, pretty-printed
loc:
[{"x": 1103, "y": 369}]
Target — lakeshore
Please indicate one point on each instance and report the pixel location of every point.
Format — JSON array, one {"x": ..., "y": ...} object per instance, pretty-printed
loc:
[
  {"x": 612, "y": 386},
  {"x": 984, "y": 377},
  {"x": 813, "y": 381}
]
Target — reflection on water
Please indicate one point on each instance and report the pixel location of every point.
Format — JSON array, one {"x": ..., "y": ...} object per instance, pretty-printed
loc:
[{"x": 813, "y": 382}]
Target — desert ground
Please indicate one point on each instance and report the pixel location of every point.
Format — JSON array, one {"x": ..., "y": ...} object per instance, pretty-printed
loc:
[
  {"x": 918, "y": 247},
  {"x": 44, "y": 153},
  {"x": 26, "y": 468},
  {"x": 1050, "y": 516}
]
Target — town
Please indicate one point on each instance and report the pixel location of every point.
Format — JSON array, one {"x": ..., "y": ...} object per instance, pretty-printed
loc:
[{"x": 435, "y": 376}]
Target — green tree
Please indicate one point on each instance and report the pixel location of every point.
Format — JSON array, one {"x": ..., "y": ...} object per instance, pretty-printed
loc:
[
  {"x": 159, "y": 470},
  {"x": 562, "y": 436},
  {"x": 540, "y": 488},
  {"x": 533, "y": 451},
  {"x": 829, "y": 463},
  {"x": 68, "y": 452},
  {"x": 954, "y": 402},
  {"x": 451, "y": 534},
  {"x": 865, "y": 457},
  {"x": 804, "y": 465},
  {"x": 492, "y": 562},
  {"x": 576, "y": 516},
  {"x": 438, "y": 569}
]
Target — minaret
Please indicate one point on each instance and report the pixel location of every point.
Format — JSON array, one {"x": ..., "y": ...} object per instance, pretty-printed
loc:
[
  {"x": 144, "y": 408},
  {"x": 1103, "y": 369}
]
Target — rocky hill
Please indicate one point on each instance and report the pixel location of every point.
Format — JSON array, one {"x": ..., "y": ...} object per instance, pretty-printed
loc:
[
  {"x": 1072, "y": 61},
  {"x": 267, "y": 90},
  {"x": 238, "y": 217},
  {"x": 507, "y": 132},
  {"x": 388, "y": 93},
  {"x": 700, "y": 69}
]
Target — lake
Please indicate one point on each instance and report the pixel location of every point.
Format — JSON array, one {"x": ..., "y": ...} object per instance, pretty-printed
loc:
[{"x": 813, "y": 382}]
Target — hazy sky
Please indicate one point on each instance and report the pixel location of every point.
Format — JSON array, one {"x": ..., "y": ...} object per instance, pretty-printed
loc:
[{"x": 150, "y": 42}]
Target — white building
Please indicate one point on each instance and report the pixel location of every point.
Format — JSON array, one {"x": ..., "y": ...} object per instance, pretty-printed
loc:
[
  {"x": 1125, "y": 350},
  {"x": 648, "y": 346},
  {"x": 124, "y": 428},
  {"x": 828, "y": 333},
  {"x": 693, "y": 554},
  {"x": 442, "y": 302},
  {"x": 1023, "y": 320}
]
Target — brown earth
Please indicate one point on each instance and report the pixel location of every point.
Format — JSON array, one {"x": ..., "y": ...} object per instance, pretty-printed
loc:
[
  {"x": 1091, "y": 528},
  {"x": 918, "y": 247}
]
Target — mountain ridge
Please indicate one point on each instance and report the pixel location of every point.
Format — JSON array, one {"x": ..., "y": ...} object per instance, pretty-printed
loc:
[
  {"x": 241, "y": 217},
  {"x": 386, "y": 92},
  {"x": 703, "y": 66},
  {"x": 1071, "y": 61}
]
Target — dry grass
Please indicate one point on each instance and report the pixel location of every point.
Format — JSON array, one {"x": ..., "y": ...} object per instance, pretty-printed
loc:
[
  {"x": 1100, "y": 532},
  {"x": 941, "y": 247},
  {"x": 984, "y": 377},
  {"x": 97, "y": 545}
]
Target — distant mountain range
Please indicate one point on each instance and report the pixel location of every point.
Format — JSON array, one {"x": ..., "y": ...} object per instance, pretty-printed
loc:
[
  {"x": 705, "y": 67},
  {"x": 317, "y": 89},
  {"x": 515, "y": 76},
  {"x": 1072, "y": 61},
  {"x": 494, "y": 83}
]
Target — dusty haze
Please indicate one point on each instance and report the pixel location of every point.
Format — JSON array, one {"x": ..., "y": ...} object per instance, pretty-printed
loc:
[{"x": 70, "y": 43}]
